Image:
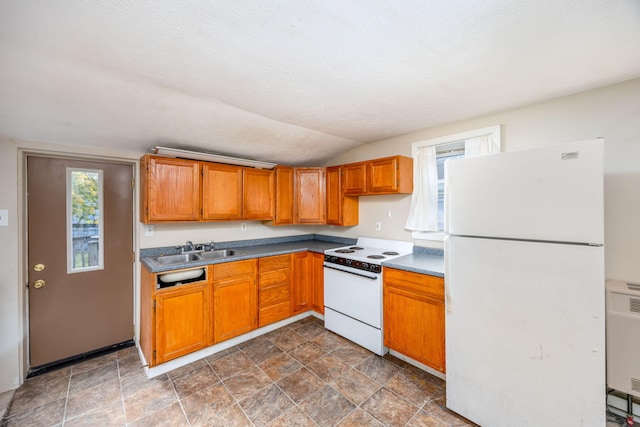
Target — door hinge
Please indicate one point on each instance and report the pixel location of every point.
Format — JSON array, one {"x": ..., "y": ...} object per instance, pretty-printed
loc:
[
  {"x": 133, "y": 257},
  {"x": 133, "y": 183},
  {"x": 154, "y": 356}
]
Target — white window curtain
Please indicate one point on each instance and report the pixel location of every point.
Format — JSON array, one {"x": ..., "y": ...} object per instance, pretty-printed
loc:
[
  {"x": 423, "y": 213},
  {"x": 481, "y": 146}
]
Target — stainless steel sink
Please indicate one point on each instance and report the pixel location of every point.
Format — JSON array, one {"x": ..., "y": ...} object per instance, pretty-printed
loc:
[
  {"x": 220, "y": 253},
  {"x": 177, "y": 259}
]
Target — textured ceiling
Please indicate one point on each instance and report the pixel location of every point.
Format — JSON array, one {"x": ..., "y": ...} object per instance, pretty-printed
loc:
[{"x": 294, "y": 82}]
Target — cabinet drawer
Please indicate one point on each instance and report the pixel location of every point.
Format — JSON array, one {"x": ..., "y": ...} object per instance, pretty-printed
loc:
[
  {"x": 273, "y": 295},
  {"x": 273, "y": 313},
  {"x": 274, "y": 262},
  {"x": 271, "y": 278},
  {"x": 234, "y": 269},
  {"x": 414, "y": 282}
]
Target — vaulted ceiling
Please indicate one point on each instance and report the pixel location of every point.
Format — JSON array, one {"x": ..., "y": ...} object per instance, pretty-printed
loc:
[{"x": 293, "y": 82}]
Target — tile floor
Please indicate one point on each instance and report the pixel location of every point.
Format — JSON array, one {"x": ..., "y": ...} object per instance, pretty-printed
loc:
[{"x": 298, "y": 375}]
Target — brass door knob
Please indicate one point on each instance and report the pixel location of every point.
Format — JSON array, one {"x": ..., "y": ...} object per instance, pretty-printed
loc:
[
  {"x": 38, "y": 267},
  {"x": 39, "y": 284}
]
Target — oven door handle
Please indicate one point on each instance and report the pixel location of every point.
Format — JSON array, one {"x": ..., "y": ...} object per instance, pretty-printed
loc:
[{"x": 351, "y": 272}]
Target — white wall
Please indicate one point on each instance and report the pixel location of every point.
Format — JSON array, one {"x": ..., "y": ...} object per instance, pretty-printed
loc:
[
  {"x": 611, "y": 112},
  {"x": 10, "y": 320}
]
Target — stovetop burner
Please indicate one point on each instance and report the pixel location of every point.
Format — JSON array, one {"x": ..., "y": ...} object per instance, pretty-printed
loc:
[{"x": 368, "y": 253}]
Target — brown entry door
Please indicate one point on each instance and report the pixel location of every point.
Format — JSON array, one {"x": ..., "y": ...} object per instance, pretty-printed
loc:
[{"x": 80, "y": 259}]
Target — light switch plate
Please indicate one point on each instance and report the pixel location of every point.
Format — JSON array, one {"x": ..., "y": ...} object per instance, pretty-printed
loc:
[{"x": 4, "y": 217}]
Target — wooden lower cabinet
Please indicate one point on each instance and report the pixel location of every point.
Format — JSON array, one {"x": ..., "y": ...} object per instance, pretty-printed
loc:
[
  {"x": 317, "y": 277},
  {"x": 235, "y": 298},
  {"x": 182, "y": 321},
  {"x": 414, "y": 316},
  {"x": 274, "y": 294},
  {"x": 307, "y": 282},
  {"x": 301, "y": 283},
  {"x": 235, "y": 305},
  {"x": 174, "y": 321}
]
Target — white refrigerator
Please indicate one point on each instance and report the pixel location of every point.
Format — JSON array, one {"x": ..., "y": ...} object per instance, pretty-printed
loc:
[{"x": 525, "y": 287}]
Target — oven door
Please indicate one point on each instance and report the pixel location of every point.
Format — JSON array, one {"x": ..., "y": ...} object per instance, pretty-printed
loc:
[{"x": 354, "y": 293}]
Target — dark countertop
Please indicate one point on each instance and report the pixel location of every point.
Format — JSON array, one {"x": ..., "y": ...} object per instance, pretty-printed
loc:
[
  {"x": 247, "y": 249},
  {"x": 423, "y": 260}
]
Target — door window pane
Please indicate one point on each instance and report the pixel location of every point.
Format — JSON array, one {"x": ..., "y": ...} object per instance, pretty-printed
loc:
[{"x": 85, "y": 239}]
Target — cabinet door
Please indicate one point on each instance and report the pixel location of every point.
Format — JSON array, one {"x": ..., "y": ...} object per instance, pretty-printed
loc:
[
  {"x": 383, "y": 175},
  {"x": 317, "y": 275},
  {"x": 341, "y": 210},
  {"x": 284, "y": 196},
  {"x": 235, "y": 305},
  {"x": 258, "y": 191},
  {"x": 301, "y": 283},
  {"x": 354, "y": 179},
  {"x": 391, "y": 175},
  {"x": 414, "y": 316},
  {"x": 170, "y": 189},
  {"x": 221, "y": 192},
  {"x": 182, "y": 321},
  {"x": 309, "y": 201}
]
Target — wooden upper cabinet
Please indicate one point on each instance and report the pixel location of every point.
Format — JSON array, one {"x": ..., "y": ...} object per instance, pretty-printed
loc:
[
  {"x": 221, "y": 192},
  {"x": 354, "y": 179},
  {"x": 258, "y": 194},
  {"x": 309, "y": 196},
  {"x": 284, "y": 196},
  {"x": 390, "y": 175},
  {"x": 170, "y": 189},
  {"x": 341, "y": 210}
]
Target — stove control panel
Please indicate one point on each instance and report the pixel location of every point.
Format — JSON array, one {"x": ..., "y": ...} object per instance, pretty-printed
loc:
[{"x": 360, "y": 265}]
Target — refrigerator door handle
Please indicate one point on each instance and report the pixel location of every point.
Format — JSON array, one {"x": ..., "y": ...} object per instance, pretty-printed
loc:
[{"x": 447, "y": 282}]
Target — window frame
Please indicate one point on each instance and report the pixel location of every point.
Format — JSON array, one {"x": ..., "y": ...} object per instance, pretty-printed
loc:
[
  {"x": 69, "y": 220},
  {"x": 495, "y": 131}
]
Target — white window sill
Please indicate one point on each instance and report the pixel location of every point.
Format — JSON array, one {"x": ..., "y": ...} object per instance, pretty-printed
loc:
[{"x": 437, "y": 236}]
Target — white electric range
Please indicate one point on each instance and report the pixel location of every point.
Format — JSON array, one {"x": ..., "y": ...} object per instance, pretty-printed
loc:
[{"x": 353, "y": 289}]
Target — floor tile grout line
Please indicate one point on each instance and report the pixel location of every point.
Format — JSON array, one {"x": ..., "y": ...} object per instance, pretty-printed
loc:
[
  {"x": 66, "y": 401},
  {"x": 124, "y": 409}
]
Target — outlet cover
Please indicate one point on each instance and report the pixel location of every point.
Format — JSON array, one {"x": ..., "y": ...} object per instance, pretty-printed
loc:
[{"x": 4, "y": 217}]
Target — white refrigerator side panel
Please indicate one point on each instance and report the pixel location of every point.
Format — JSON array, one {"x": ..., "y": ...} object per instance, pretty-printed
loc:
[
  {"x": 525, "y": 332},
  {"x": 554, "y": 193}
]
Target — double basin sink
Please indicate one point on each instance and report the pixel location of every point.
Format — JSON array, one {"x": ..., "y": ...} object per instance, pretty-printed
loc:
[{"x": 195, "y": 256}]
